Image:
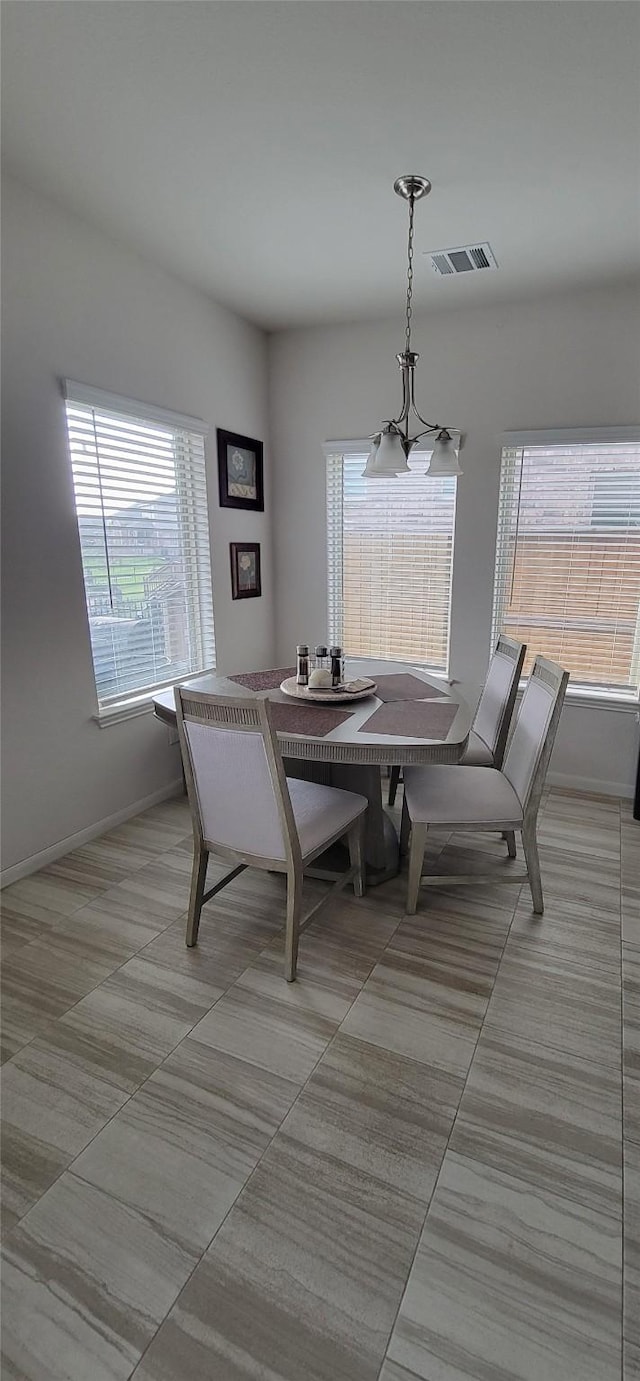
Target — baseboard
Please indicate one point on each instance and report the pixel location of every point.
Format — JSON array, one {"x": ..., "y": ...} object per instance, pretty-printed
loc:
[
  {"x": 74, "y": 841},
  {"x": 592, "y": 786}
]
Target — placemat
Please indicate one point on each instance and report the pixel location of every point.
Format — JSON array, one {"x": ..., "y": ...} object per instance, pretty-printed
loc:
[
  {"x": 411, "y": 719},
  {"x": 315, "y": 720},
  {"x": 401, "y": 685},
  {"x": 263, "y": 680}
]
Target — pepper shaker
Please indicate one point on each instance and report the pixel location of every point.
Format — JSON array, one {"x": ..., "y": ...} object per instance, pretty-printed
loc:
[
  {"x": 302, "y": 670},
  {"x": 337, "y": 669}
]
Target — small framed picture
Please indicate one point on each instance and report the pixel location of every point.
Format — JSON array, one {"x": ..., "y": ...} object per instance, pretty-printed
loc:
[
  {"x": 245, "y": 570},
  {"x": 240, "y": 471}
]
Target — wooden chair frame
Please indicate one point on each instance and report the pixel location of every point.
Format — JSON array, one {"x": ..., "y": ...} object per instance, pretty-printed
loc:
[
  {"x": 254, "y": 716},
  {"x": 554, "y": 676},
  {"x": 507, "y": 647}
]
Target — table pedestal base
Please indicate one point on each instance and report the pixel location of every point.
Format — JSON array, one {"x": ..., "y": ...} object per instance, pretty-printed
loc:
[{"x": 381, "y": 850}]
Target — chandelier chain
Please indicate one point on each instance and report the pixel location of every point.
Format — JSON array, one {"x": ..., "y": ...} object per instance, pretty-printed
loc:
[{"x": 409, "y": 275}]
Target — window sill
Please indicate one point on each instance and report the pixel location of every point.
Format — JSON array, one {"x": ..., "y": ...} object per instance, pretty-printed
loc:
[
  {"x": 596, "y": 700},
  {"x": 143, "y": 703},
  {"x": 602, "y": 700},
  {"x": 117, "y": 714}
]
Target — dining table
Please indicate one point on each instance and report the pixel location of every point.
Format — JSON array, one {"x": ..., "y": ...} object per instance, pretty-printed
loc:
[{"x": 411, "y": 718}]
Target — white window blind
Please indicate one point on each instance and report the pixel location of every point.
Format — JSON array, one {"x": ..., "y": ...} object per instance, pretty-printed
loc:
[
  {"x": 141, "y": 503},
  {"x": 568, "y": 558},
  {"x": 390, "y": 555}
]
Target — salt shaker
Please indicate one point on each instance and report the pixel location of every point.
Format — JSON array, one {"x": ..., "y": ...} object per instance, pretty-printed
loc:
[
  {"x": 336, "y": 666},
  {"x": 302, "y": 670},
  {"x": 322, "y": 659}
]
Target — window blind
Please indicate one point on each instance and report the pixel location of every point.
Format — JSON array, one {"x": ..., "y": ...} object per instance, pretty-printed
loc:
[
  {"x": 390, "y": 554},
  {"x": 141, "y": 504},
  {"x": 567, "y": 576}
]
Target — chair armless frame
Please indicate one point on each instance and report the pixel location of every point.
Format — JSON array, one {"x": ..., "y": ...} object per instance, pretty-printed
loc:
[
  {"x": 516, "y": 652},
  {"x": 555, "y": 678},
  {"x": 254, "y": 716}
]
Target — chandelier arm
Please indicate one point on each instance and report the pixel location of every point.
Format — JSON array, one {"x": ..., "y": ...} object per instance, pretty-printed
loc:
[
  {"x": 412, "y": 402},
  {"x": 429, "y": 432},
  {"x": 403, "y": 415}
]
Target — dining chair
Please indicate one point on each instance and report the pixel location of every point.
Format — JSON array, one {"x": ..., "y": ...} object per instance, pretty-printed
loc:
[
  {"x": 245, "y": 809},
  {"x": 492, "y": 719},
  {"x": 489, "y": 798}
]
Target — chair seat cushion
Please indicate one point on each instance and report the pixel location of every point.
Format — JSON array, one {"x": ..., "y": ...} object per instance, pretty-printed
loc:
[
  {"x": 476, "y": 753},
  {"x": 461, "y": 796},
  {"x": 322, "y": 812}
]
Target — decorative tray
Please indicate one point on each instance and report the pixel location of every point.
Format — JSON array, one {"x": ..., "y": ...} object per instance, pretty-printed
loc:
[{"x": 329, "y": 696}]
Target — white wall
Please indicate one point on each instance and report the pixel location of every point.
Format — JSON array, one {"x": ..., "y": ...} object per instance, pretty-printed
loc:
[
  {"x": 77, "y": 304},
  {"x": 558, "y": 362}
]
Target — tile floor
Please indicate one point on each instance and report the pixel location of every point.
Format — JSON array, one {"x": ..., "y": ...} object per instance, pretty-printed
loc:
[{"x": 409, "y": 1164}]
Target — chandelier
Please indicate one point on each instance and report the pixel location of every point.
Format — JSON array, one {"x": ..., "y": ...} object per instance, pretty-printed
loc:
[{"x": 392, "y": 444}]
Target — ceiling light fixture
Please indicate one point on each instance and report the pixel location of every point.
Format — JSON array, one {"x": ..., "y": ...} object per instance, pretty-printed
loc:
[{"x": 393, "y": 443}]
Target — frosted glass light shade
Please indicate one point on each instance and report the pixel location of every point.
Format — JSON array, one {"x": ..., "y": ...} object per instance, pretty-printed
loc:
[
  {"x": 390, "y": 458},
  {"x": 444, "y": 458},
  {"x": 386, "y": 458},
  {"x": 369, "y": 469}
]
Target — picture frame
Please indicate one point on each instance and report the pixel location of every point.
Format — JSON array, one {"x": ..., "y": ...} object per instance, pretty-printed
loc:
[
  {"x": 240, "y": 471},
  {"x": 246, "y": 581}
]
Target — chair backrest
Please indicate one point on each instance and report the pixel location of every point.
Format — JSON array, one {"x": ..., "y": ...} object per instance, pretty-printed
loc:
[
  {"x": 527, "y": 757},
  {"x": 235, "y": 777},
  {"x": 495, "y": 706}
]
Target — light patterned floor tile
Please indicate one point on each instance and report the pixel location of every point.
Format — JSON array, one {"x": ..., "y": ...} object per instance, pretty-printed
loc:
[
  {"x": 385, "y": 1116},
  {"x": 302, "y": 1280},
  {"x": 631, "y": 1301},
  {"x": 39, "y": 985},
  {"x": 510, "y": 1282},
  {"x": 427, "y": 997},
  {"x": 548, "y": 1003},
  {"x": 114, "y": 927},
  {"x": 552, "y": 1119},
  {"x": 270, "y": 1033},
  {"x": 183, "y": 1146},
  {"x": 86, "y": 1282},
  {"x": 51, "y": 1108},
  {"x": 111, "y": 1034},
  {"x": 32, "y": 907}
]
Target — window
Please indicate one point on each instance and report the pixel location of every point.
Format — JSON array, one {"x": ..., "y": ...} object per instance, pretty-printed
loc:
[
  {"x": 390, "y": 553},
  {"x": 141, "y": 503},
  {"x": 568, "y": 555}
]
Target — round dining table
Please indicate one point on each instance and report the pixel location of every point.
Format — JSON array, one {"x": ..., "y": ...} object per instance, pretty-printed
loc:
[{"x": 412, "y": 718}]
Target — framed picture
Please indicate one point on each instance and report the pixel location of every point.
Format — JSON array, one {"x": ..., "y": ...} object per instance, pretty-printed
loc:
[
  {"x": 240, "y": 471},
  {"x": 245, "y": 570}
]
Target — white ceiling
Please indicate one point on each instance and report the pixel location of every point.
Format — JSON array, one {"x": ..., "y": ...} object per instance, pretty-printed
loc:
[{"x": 251, "y": 145}]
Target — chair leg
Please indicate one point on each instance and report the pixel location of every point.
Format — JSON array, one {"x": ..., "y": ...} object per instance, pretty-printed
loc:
[
  {"x": 530, "y": 846},
  {"x": 405, "y": 829},
  {"x": 292, "y": 933},
  {"x": 198, "y": 879},
  {"x": 393, "y": 785},
  {"x": 510, "y": 837},
  {"x": 416, "y": 860},
  {"x": 356, "y": 855}
]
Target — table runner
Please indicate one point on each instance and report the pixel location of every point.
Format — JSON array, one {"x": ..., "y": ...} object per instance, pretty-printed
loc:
[{"x": 411, "y": 719}]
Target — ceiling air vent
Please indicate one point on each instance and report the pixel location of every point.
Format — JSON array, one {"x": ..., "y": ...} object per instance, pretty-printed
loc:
[{"x": 464, "y": 260}]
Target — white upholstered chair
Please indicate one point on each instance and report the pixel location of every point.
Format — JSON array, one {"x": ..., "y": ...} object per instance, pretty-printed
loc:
[
  {"x": 490, "y": 728},
  {"x": 487, "y": 798},
  {"x": 245, "y": 809}
]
